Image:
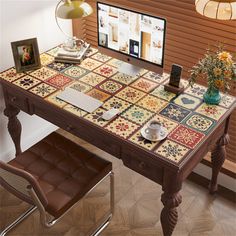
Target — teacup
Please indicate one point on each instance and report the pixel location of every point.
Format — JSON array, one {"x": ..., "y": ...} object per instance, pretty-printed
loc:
[{"x": 154, "y": 129}]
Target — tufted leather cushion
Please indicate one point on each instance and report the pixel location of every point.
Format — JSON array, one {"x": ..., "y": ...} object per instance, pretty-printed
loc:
[{"x": 65, "y": 171}]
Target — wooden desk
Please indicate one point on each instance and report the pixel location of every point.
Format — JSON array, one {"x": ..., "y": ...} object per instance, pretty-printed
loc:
[{"x": 194, "y": 127}]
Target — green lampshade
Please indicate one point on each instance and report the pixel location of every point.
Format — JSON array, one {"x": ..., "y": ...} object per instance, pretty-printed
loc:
[{"x": 73, "y": 9}]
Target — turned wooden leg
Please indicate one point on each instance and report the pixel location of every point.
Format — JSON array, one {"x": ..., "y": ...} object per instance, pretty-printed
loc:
[
  {"x": 171, "y": 199},
  {"x": 217, "y": 159},
  {"x": 14, "y": 126}
]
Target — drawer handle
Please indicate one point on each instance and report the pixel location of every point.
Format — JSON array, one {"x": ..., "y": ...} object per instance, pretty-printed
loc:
[
  {"x": 13, "y": 99},
  {"x": 69, "y": 128},
  {"x": 142, "y": 165}
]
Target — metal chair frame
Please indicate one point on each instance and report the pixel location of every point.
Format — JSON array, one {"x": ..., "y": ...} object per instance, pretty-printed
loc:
[{"x": 48, "y": 221}]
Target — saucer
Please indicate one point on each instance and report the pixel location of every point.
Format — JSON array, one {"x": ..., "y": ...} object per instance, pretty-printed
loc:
[{"x": 163, "y": 134}]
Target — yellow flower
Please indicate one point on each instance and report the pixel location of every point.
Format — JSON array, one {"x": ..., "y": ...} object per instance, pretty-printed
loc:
[
  {"x": 225, "y": 56},
  {"x": 219, "y": 83},
  {"x": 227, "y": 74},
  {"x": 217, "y": 71}
]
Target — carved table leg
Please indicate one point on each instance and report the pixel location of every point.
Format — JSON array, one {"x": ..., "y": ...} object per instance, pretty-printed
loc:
[
  {"x": 14, "y": 126},
  {"x": 217, "y": 159},
  {"x": 171, "y": 199}
]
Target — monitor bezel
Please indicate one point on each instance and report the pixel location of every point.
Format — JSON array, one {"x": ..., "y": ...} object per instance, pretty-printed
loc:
[{"x": 129, "y": 58}]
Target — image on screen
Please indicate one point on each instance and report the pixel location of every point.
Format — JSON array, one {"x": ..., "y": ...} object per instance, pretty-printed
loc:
[{"x": 135, "y": 34}]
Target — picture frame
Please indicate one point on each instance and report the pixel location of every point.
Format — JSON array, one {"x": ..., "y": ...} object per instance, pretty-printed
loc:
[{"x": 26, "y": 54}]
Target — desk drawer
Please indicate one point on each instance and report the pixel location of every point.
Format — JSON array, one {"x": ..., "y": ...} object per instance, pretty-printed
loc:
[
  {"x": 143, "y": 167},
  {"x": 18, "y": 100}
]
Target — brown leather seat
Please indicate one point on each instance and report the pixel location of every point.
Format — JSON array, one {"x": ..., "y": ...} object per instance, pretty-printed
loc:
[{"x": 63, "y": 172}]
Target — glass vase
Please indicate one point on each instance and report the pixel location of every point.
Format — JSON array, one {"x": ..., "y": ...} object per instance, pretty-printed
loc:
[{"x": 212, "y": 96}]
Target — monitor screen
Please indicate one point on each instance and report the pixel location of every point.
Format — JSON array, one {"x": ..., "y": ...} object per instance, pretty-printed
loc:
[{"x": 131, "y": 33}]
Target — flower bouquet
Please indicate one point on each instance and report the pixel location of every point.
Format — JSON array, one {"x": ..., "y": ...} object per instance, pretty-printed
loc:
[{"x": 219, "y": 70}]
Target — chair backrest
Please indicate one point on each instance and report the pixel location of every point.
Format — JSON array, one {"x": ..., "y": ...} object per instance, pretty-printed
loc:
[{"x": 18, "y": 182}]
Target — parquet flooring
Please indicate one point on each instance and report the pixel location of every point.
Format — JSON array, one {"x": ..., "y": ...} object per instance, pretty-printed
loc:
[{"x": 137, "y": 209}]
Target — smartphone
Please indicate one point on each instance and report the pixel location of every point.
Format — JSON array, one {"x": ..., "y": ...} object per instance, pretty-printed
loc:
[{"x": 175, "y": 75}]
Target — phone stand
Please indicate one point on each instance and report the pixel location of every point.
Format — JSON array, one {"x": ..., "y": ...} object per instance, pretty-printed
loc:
[{"x": 174, "y": 89}]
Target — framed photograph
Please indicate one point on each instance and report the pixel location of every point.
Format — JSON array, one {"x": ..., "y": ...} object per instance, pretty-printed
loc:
[{"x": 26, "y": 54}]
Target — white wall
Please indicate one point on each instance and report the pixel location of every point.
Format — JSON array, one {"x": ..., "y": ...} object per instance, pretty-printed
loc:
[{"x": 22, "y": 19}]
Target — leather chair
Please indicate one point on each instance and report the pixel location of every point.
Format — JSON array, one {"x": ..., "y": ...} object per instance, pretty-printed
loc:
[{"x": 52, "y": 176}]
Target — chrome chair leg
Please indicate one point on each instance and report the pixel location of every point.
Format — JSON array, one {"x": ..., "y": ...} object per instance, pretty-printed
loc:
[
  {"x": 107, "y": 218},
  {"x": 18, "y": 220}
]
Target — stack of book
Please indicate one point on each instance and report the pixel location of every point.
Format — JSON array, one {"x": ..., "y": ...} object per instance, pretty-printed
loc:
[{"x": 72, "y": 56}]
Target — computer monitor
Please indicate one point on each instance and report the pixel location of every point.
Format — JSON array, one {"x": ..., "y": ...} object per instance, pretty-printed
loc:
[{"x": 133, "y": 37}]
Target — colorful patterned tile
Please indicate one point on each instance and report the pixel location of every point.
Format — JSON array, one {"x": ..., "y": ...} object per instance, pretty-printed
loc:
[
  {"x": 115, "y": 62},
  {"x": 110, "y": 86},
  {"x": 130, "y": 94},
  {"x": 58, "y": 66},
  {"x": 75, "y": 110},
  {"x": 156, "y": 77},
  {"x": 101, "y": 57},
  {"x": 96, "y": 117},
  {"x": 187, "y": 101},
  {"x": 196, "y": 90},
  {"x": 137, "y": 114},
  {"x": 106, "y": 70},
  {"x": 56, "y": 101},
  {"x": 144, "y": 85},
  {"x": 95, "y": 93},
  {"x": 91, "y": 51},
  {"x": 161, "y": 93},
  {"x": 226, "y": 100},
  {"x": 175, "y": 112},
  {"x": 59, "y": 81},
  {"x": 43, "y": 90},
  {"x": 152, "y": 103},
  {"x": 123, "y": 78},
  {"x": 80, "y": 86},
  {"x": 46, "y": 59},
  {"x": 53, "y": 51},
  {"x": 27, "y": 82},
  {"x": 199, "y": 123},
  {"x": 43, "y": 73},
  {"x": 212, "y": 111},
  {"x": 122, "y": 127},
  {"x": 116, "y": 103},
  {"x": 75, "y": 72},
  {"x": 90, "y": 64},
  {"x": 172, "y": 151},
  {"x": 92, "y": 79},
  {"x": 138, "y": 139},
  {"x": 167, "y": 123},
  {"x": 11, "y": 75},
  {"x": 186, "y": 136}
]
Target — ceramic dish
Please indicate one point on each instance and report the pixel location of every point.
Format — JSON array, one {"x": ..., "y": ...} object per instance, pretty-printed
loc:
[{"x": 163, "y": 134}]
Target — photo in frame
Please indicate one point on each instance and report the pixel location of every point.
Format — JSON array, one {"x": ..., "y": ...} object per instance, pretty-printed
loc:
[{"x": 26, "y": 54}]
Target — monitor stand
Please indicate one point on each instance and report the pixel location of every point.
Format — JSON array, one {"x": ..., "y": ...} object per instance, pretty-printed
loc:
[{"x": 129, "y": 69}]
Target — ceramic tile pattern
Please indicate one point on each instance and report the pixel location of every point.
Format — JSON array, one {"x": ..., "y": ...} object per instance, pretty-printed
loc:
[
  {"x": 137, "y": 114},
  {"x": 10, "y": 75},
  {"x": 186, "y": 136},
  {"x": 161, "y": 93},
  {"x": 43, "y": 90},
  {"x": 144, "y": 85},
  {"x": 152, "y": 103},
  {"x": 75, "y": 72},
  {"x": 27, "y": 82},
  {"x": 172, "y": 151},
  {"x": 187, "y": 101},
  {"x": 110, "y": 86},
  {"x": 140, "y": 99},
  {"x": 43, "y": 73},
  {"x": 59, "y": 81},
  {"x": 122, "y": 127}
]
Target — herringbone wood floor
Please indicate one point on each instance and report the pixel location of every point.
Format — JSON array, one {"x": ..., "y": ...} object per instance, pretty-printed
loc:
[{"x": 137, "y": 209}]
